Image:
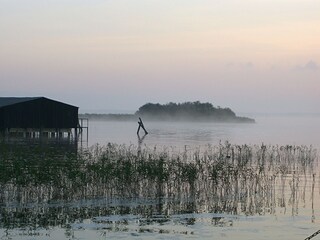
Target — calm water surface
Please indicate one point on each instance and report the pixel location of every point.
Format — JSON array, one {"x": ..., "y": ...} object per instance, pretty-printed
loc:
[
  {"x": 61, "y": 191},
  {"x": 282, "y": 130}
]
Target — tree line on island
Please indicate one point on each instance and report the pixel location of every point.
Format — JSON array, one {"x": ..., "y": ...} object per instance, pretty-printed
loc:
[{"x": 187, "y": 111}]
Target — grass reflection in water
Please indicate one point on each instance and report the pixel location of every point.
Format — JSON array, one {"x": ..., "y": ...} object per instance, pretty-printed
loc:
[{"x": 117, "y": 187}]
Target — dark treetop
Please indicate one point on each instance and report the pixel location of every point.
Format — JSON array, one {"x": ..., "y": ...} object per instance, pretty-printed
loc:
[{"x": 193, "y": 111}]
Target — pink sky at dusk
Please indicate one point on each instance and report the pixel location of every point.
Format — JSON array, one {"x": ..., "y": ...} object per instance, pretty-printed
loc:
[{"x": 251, "y": 55}]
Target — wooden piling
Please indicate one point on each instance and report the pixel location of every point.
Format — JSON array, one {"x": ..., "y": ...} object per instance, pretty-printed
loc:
[{"x": 141, "y": 126}]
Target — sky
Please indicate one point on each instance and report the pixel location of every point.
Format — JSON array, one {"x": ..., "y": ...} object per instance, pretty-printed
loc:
[{"x": 254, "y": 56}]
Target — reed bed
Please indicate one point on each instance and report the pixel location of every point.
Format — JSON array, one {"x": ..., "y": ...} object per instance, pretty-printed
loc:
[{"x": 226, "y": 178}]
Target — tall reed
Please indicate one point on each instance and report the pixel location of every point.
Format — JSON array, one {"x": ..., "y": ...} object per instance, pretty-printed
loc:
[{"x": 224, "y": 178}]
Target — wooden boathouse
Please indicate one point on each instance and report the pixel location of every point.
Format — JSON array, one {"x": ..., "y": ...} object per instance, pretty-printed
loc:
[{"x": 37, "y": 116}]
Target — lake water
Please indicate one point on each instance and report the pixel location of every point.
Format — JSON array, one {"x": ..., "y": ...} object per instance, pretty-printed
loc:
[
  {"x": 273, "y": 130},
  {"x": 181, "y": 181}
]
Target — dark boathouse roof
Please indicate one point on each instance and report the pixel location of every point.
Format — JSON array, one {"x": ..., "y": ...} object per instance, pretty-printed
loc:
[
  {"x": 36, "y": 112},
  {"x": 5, "y": 101}
]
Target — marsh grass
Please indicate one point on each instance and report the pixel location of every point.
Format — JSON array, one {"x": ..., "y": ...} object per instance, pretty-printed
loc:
[{"x": 226, "y": 178}]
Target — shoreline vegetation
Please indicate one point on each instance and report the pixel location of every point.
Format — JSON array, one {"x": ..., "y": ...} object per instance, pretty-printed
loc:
[
  {"x": 187, "y": 111},
  {"x": 222, "y": 179}
]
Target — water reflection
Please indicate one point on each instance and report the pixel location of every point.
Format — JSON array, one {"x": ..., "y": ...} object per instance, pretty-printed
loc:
[
  {"x": 271, "y": 130},
  {"x": 116, "y": 188},
  {"x": 140, "y": 141}
]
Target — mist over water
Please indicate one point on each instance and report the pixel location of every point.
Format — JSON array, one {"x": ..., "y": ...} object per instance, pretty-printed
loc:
[{"x": 268, "y": 129}]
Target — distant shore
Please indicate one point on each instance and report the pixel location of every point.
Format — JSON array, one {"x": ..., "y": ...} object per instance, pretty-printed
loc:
[
  {"x": 134, "y": 117},
  {"x": 184, "y": 112}
]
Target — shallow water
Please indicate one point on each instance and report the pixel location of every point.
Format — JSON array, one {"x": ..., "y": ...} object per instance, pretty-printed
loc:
[{"x": 49, "y": 191}]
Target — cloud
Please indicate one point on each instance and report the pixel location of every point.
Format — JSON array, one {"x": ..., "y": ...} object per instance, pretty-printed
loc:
[
  {"x": 311, "y": 65},
  {"x": 249, "y": 65},
  {"x": 239, "y": 65}
]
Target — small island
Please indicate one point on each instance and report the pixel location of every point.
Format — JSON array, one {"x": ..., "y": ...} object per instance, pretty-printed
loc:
[{"x": 187, "y": 111}]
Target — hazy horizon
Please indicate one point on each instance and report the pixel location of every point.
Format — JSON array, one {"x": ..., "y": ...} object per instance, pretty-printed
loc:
[
  {"x": 244, "y": 114},
  {"x": 251, "y": 56}
]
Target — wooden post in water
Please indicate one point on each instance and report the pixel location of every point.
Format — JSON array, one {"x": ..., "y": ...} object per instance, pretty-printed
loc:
[{"x": 141, "y": 126}]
